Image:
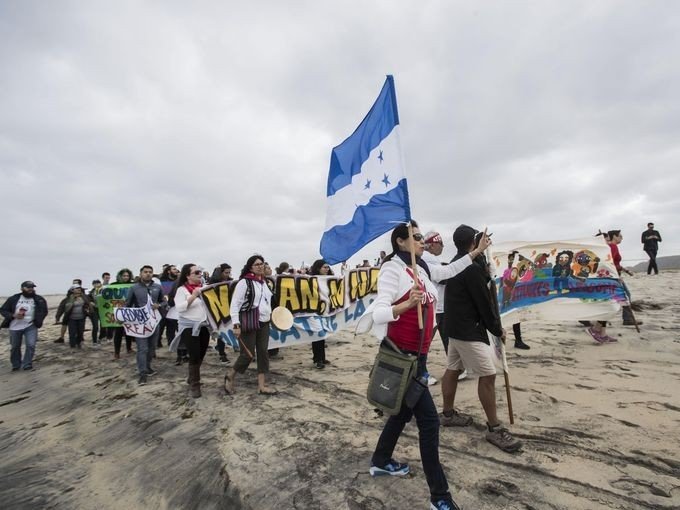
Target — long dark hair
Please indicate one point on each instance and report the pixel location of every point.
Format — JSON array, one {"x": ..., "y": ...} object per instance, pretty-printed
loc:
[
  {"x": 400, "y": 232},
  {"x": 316, "y": 267},
  {"x": 181, "y": 280},
  {"x": 608, "y": 235},
  {"x": 248, "y": 268},
  {"x": 217, "y": 273}
]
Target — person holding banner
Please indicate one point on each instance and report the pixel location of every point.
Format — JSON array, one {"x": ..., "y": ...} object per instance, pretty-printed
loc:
[
  {"x": 599, "y": 330},
  {"x": 320, "y": 267},
  {"x": 192, "y": 322},
  {"x": 395, "y": 315},
  {"x": 221, "y": 274},
  {"x": 250, "y": 314},
  {"x": 470, "y": 312},
  {"x": 123, "y": 277},
  {"x": 140, "y": 293}
]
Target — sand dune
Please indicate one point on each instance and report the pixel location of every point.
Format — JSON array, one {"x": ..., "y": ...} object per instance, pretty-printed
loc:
[{"x": 600, "y": 424}]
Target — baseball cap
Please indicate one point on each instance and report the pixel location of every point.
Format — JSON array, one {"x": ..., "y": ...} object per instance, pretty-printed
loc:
[
  {"x": 433, "y": 237},
  {"x": 28, "y": 283},
  {"x": 463, "y": 236}
]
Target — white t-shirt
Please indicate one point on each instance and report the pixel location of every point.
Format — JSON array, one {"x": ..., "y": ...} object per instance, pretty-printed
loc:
[
  {"x": 28, "y": 305},
  {"x": 433, "y": 260}
]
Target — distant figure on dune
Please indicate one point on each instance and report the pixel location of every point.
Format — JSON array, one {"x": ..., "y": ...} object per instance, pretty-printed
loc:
[{"x": 650, "y": 240}]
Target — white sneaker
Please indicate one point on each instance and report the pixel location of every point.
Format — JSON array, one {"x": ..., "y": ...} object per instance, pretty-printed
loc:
[
  {"x": 431, "y": 380},
  {"x": 463, "y": 375}
]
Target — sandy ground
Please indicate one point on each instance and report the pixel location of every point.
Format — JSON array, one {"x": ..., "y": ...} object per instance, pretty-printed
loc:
[{"x": 600, "y": 423}]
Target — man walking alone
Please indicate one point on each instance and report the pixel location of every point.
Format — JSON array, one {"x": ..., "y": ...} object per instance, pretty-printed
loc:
[
  {"x": 23, "y": 314},
  {"x": 650, "y": 240}
]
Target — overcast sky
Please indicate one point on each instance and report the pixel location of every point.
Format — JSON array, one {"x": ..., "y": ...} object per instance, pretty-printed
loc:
[{"x": 154, "y": 132}]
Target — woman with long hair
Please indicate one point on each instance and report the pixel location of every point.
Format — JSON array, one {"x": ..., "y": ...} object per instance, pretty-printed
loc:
[
  {"x": 395, "y": 315},
  {"x": 123, "y": 277},
  {"x": 599, "y": 330},
  {"x": 221, "y": 274},
  {"x": 320, "y": 267},
  {"x": 192, "y": 323},
  {"x": 251, "y": 301}
]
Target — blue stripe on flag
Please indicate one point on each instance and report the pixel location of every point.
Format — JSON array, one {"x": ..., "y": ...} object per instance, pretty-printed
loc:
[
  {"x": 383, "y": 212},
  {"x": 348, "y": 157}
]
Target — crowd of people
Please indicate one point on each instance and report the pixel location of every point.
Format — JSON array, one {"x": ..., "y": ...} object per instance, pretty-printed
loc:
[{"x": 451, "y": 298}]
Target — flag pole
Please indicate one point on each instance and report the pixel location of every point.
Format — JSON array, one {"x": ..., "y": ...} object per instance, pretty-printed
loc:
[
  {"x": 416, "y": 283},
  {"x": 506, "y": 376}
]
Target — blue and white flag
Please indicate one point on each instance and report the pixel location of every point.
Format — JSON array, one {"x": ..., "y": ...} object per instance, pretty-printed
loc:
[{"x": 367, "y": 191}]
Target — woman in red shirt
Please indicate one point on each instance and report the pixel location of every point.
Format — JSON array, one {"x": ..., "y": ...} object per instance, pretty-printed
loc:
[{"x": 599, "y": 330}]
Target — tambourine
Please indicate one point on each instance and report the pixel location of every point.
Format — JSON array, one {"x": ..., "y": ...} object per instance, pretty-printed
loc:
[{"x": 282, "y": 318}]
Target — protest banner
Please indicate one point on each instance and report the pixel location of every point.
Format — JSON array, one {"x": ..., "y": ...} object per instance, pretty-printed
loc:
[
  {"x": 139, "y": 322},
  {"x": 111, "y": 297},
  {"x": 321, "y": 305},
  {"x": 556, "y": 280}
]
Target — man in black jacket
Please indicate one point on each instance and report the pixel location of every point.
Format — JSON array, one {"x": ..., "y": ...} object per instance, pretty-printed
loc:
[
  {"x": 650, "y": 240},
  {"x": 469, "y": 312},
  {"x": 23, "y": 314}
]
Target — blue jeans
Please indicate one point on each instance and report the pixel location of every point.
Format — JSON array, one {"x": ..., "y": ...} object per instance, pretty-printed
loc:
[
  {"x": 427, "y": 420},
  {"x": 146, "y": 351},
  {"x": 30, "y": 336}
]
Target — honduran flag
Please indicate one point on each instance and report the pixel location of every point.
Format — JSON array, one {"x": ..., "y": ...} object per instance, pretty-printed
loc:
[{"x": 367, "y": 191}]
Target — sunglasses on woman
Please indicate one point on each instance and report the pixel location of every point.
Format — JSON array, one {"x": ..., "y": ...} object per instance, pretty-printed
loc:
[
  {"x": 197, "y": 272},
  {"x": 418, "y": 237}
]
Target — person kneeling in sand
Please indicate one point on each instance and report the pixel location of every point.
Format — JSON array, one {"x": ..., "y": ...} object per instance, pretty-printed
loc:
[{"x": 469, "y": 313}]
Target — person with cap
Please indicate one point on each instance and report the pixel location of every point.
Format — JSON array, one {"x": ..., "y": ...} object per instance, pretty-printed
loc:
[
  {"x": 77, "y": 282},
  {"x": 650, "y": 240},
  {"x": 76, "y": 310},
  {"x": 434, "y": 246},
  {"x": 23, "y": 314},
  {"x": 469, "y": 313}
]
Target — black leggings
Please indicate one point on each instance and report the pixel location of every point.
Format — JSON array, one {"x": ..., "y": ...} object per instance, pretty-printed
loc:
[
  {"x": 196, "y": 345},
  {"x": 118, "y": 340}
]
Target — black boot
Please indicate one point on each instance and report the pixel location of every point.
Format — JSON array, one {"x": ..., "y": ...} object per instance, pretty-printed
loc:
[
  {"x": 195, "y": 376},
  {"x": 517, "y": 331}
]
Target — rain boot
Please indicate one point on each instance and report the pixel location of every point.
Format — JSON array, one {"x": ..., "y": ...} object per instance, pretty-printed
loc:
[{"x": 195, "y": 374}]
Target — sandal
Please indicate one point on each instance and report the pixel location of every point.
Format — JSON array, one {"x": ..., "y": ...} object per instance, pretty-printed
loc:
[{"x": 268, "y": 392}]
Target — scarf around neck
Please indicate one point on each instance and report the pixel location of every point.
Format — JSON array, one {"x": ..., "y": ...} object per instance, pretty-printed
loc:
[
  {"x": 254, "y": 277},
  {"x": 191, "y": 287},
  {"x": 405, "y": 257}
]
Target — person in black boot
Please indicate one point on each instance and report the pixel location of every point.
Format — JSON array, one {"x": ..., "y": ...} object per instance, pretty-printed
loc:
[
  {"x": 519, "y": 344},
  {"x": 192, "y": 322}
]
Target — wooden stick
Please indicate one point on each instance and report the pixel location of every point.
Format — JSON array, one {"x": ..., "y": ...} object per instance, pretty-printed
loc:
[
  {"x": 414, "y": 267},
  {"x": 507, "y": 393},
  {"x": 634, "y": 319},
  {"x": 494, "y": 298}
]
